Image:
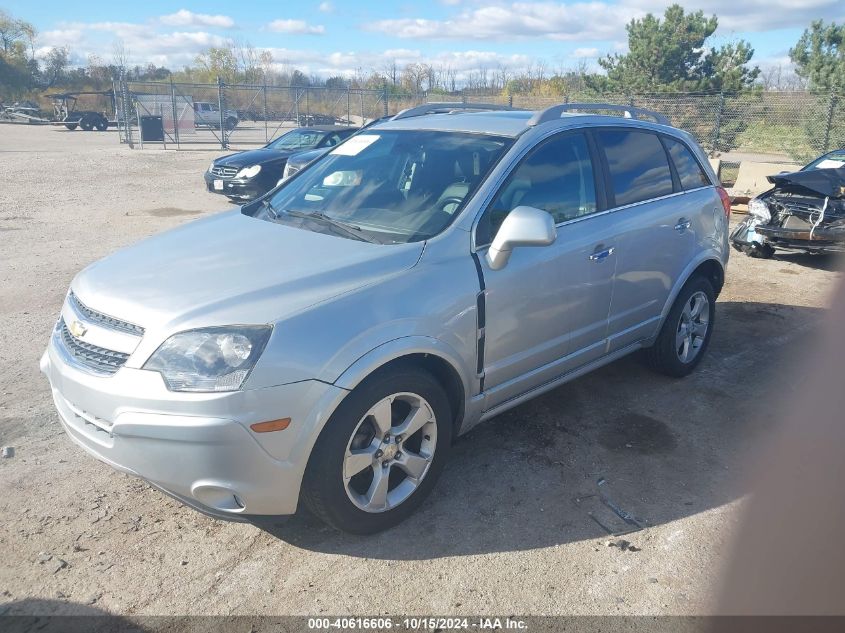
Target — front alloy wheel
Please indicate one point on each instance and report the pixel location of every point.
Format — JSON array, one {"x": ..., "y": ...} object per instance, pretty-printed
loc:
[
  {"x": 390, "y": 452},
  {"x": 381, "y": 452}
]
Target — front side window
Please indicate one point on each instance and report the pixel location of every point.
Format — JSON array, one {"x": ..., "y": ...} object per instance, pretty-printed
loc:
[
  {"x": 297, "y": 139},
  {"x": 557, "y": 177},
  {"x": 689, "y": 171},
  {"x": 638, "y": 166},
  {"x": 331, "y": 140},
  {"x": 391, "y": 185}
]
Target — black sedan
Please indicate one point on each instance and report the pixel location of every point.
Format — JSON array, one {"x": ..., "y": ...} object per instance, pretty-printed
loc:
[{"x": 248, "y": 175}]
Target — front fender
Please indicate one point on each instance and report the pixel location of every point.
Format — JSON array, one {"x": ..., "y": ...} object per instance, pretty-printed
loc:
[{"x": 398, "y": 348}]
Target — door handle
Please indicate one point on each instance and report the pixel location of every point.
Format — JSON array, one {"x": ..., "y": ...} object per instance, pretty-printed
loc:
[
  {"x": 682, "y": 225},
  {"x": 600, "y": 256}
]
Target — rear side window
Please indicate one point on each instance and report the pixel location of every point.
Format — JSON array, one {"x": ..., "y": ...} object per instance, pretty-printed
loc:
[
  {"x": 689, "y": 170},
  {"x": 639, "y": 168}
]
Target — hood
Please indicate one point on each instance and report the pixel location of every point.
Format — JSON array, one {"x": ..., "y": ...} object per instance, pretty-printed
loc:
[
  {"x": 259, "y": 156},
  {"x": 233, "y": 269},
  {"x": 303, "y": 158},
  {"x": 829, "y": 182}
]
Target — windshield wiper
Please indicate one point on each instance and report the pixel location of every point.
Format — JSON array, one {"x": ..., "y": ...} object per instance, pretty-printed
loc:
[
  {"x": 270, "y": 208},
  {"x": 350, "y": 229}
]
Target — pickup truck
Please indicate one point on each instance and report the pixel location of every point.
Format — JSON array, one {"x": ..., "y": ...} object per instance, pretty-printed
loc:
[{"x": 207, "y": 114}]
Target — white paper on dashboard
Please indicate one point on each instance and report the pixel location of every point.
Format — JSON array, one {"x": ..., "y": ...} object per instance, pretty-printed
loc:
[{"x": 355, "y": 145}]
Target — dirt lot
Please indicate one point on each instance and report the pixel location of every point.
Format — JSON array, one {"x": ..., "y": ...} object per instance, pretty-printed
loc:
[{"x": 507, "y": 530}]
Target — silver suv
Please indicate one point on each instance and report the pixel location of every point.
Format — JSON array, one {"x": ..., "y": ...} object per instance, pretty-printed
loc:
[{"x": 328, "y": 341}]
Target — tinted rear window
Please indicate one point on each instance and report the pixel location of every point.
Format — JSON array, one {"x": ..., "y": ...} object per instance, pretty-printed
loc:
[
  {"x": 689, "y": 171},
  {"x": 639, "y": 169}
]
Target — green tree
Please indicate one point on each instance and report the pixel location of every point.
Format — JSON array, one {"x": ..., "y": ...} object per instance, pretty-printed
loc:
[
  {"x": 18, "y": 69},
  {"x": 56, "y": 64},
  {"x": 819, "y": 56},
  {"x": 672, "y": 55},
  {"x": 217, "y": 62}
]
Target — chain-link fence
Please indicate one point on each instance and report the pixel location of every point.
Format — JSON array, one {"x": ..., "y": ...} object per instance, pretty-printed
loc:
[
  {"x": 785, "y": 126},
  {"x": 227, "y": 116}
]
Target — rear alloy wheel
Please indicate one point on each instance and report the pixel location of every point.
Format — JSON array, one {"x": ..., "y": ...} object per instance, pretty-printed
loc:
[
  {"x": 381, "y": 452},
  {"x": 685, "y": 334}
]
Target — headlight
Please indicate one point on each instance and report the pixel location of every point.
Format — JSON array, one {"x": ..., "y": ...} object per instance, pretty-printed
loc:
[
  {"x": 759, "y": 209},
  {"x": 248, "y": 172},
  {"x": 211, "y": 166},
  {"x": 211, "y": 359}
]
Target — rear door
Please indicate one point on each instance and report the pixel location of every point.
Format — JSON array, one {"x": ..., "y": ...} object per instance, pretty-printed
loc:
[{"x": 655, "y": 222}]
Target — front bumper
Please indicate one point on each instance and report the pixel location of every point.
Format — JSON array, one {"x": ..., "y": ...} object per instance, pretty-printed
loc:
[
  {"x": 753, "y": 233},
  {"x": 196, "y": 447},
  {"x": 236, "y": 189}
]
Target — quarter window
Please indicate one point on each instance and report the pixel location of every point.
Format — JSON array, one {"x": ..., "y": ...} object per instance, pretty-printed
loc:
[
  {"x": 689, "y": 171},
  {"x": 557, "y": 177},
  {"x": 639, "y": 169}
]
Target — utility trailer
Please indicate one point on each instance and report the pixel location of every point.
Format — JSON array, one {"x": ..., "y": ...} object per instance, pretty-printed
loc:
[{"x": 65, "y": 108}]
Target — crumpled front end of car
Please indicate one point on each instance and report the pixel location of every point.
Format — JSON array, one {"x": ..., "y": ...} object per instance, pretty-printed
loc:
[{"x": 795, "y": 215}]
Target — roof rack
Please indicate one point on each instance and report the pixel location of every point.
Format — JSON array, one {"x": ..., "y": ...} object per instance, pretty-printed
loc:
[
  {"x": 435, "y": 108},
  {"x": 553, "y": 113}
]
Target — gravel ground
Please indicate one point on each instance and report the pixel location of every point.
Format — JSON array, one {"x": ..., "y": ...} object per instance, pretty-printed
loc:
[{"x": 508, "y": 528}]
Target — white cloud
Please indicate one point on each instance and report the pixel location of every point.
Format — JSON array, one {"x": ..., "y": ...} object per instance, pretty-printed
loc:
[
  {"x": 183, "y": 17},
  {"x": 296, "y": 27},
  {"x": 326, "y": 7},
  {"x": 600, "y": 20},
  {"x": 59, "y": 38},
  {"x": 585, "y": 52},
  {"x": 519, "y": 20},
  {"x": 754, "y": 15}
]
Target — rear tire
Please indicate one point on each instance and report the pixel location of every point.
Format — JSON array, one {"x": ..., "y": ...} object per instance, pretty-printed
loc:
[
  {"x": 685, "y": 335},
  {"x": 368, "y": 426}
]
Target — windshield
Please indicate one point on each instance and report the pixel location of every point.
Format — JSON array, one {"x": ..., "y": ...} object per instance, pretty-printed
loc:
[
  {"x": 297, "y": 139},
  {"x": 396, "y": 185},
  {"x": 834, "y": 159}
]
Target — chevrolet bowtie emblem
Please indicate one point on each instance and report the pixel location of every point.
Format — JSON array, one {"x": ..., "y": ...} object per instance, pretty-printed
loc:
[{"x": 77, "y": 329}]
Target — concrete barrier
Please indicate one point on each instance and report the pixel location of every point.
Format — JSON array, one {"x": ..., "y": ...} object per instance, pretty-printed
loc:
[
  {"x": 751, "y": 178},
  {"x": 716, "y": 164}
]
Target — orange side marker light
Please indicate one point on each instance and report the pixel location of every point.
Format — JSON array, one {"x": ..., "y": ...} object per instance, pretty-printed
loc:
[{"x": 271, "y": 425}]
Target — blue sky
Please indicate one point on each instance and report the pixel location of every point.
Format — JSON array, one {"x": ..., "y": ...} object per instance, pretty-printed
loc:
[{"x": 341, "y": 37}]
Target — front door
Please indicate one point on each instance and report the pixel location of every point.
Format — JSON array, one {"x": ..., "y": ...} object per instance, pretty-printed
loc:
[{"x": 547, "y": 309}]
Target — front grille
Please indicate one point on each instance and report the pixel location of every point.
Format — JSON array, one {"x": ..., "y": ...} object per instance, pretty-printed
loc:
[
  {"x": 98, "y": 359},
  {"x": 104, "y": 319},
  {"x": 224, "y": 172}
]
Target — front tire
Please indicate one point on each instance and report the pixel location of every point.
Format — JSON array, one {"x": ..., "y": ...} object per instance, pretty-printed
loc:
[
  {"x": 685, "y": 335},
  {"x": 380, "y": 453}
]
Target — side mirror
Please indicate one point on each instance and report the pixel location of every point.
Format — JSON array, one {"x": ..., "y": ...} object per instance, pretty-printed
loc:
[{"x": 524, "y": 226}]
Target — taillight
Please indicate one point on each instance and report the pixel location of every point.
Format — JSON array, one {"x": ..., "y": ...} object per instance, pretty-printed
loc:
[{"x": 726, "y": 201}]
